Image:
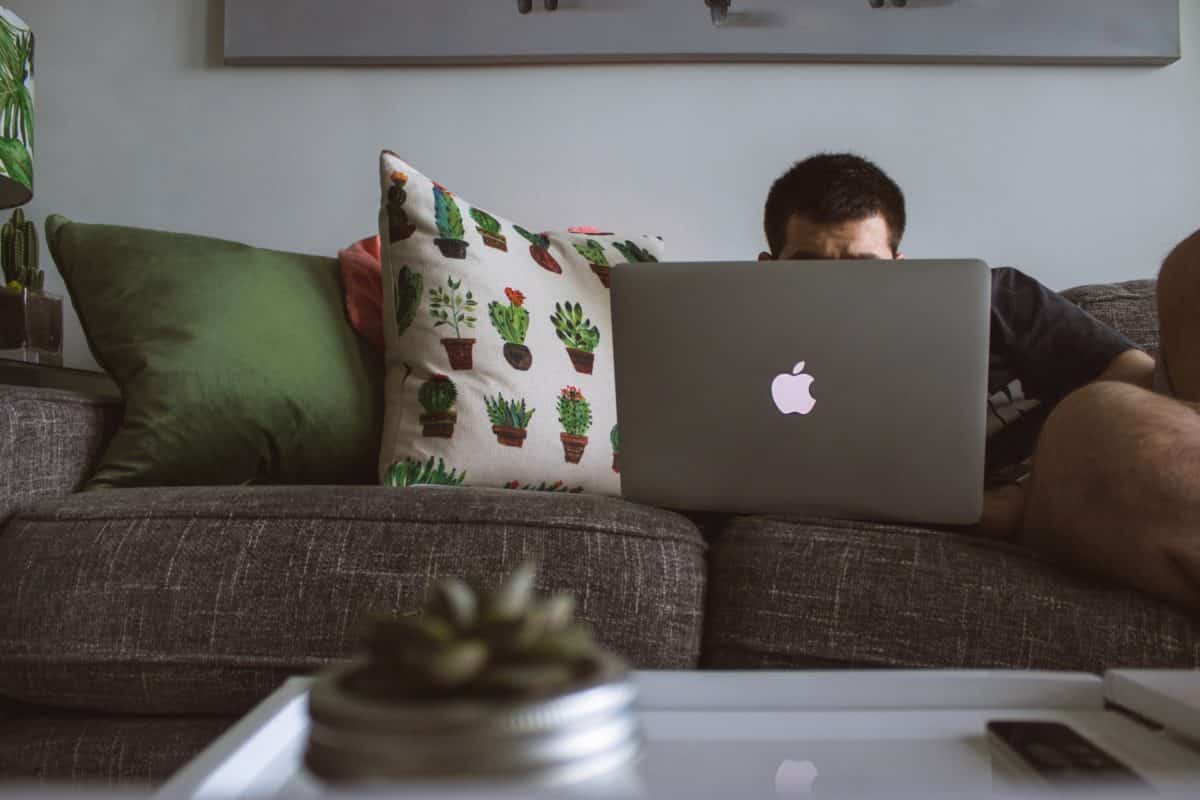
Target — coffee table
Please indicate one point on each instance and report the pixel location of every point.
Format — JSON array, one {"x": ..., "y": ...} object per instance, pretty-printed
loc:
[{"x": 787, "y": 735}]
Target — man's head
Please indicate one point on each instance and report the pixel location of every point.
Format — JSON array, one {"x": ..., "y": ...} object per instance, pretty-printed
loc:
[{"x": 834, "y": 206}]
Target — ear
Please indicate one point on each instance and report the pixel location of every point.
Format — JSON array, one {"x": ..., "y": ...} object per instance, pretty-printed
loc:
[{"x": 765, "y": 257}]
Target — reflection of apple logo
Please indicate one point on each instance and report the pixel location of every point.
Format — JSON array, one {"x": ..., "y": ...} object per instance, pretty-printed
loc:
[
  {"x": 791, "y": 393},
  {"x": 794, "y": 780}
]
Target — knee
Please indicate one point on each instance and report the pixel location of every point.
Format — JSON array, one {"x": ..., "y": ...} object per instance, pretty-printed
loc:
[{"x": 1179, "y": 278}]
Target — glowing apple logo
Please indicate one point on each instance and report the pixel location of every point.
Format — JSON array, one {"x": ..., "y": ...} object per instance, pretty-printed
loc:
[
  {"x": 793, "y": 393},
  {"x": 794, "y": 780}
]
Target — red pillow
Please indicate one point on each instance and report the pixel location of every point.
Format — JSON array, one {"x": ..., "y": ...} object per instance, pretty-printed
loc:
[{"x": 362, "y": 283}]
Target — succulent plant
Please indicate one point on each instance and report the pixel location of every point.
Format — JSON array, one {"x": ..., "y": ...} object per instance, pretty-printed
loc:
[
  {"x": 438, "y": 394},
  {"x": 409, "y": 287},
  {"x": 633, "y": 253},
  {"x": 573, "y": 329},
  {"x": 593, "y": 251},
  {"x": 467, "y": 643},
  {"x": 508, "y": 413},
  {"x": 446, "y": 214},
  {"x": 412, "y": 472},
  {"x": 535, "y": 239},
  {"x": 574, "y": 411},
  {"x": 511, "y": 321},
  {"x": 19, "y": 253},
  {"x": 485, "y": 221}
]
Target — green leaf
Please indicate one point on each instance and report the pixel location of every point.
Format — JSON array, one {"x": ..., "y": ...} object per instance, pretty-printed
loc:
[{"x": 17, "y": 162}]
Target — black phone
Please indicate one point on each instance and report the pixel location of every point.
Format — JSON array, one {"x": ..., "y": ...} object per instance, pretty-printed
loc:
[{"x": 1062, "y": 757}]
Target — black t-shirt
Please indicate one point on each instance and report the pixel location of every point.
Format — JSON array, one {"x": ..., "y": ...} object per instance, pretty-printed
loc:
[{"x": 1043, "y": 348}]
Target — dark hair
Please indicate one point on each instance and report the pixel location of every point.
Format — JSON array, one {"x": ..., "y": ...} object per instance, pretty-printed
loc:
[{"x": 833, "y": 188}]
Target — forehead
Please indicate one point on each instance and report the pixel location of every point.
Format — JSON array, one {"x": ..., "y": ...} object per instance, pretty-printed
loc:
[{"x": 866, "y": 235}]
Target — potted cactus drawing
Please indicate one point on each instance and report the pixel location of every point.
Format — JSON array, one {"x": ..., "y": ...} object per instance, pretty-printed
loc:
[
  {"x": 593, "y": 251},
  {"x": 615, "y": 438},
  {"x": 510, "y": 419},
  {"x": 412, "y": 472},
  {"x": 399, "y": 228},
  {"x": 31, "y": 320},
  {"x": 557, "y": 487},
  {"x": 409, "y": 287},
  {"x": 575, "y": 416},
  {"x": 489, "y": 228},
  {"x": 449, "y": 224},
  {"x": 633, "y": 253},
  {"x": 579, "y": 335},
  {"x": 512, "y": 323},
  {"x": 454, "y": 310},
  {"x": 437, "y": 396},
  {"x": 539, "y": 250}
]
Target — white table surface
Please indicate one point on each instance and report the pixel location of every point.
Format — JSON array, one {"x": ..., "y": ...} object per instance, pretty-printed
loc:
[{"x": 753, "y": 735}]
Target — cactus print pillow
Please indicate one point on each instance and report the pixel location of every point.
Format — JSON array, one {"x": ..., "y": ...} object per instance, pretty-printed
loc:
[{"x": 499, "y": 344}]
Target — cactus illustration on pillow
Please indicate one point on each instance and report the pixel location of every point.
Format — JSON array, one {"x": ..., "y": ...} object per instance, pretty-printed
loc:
[
  {"x": 489, "y": 228},
  {"x": 437, "y": 397},
  {"x": 577, "y": 333},
  {"x": 557, "y": 487},
  {"x": 455, "y": 310},
  {"x": 412, "y": 472},
  {"x": 633, "y": 253},
  {"x": 510, "y": 419},
  {"x": 539, "y": 250},
  {"x": 575, "y": 416},
  {"x": 399, "y": 228},
  {"x": 408, "y": 290},
  {"x": 593, "y": 251},
  {"x": 512, "y": 323},
  {"x": 449, "y": 224},
  {"x": 615, "y": 438}
]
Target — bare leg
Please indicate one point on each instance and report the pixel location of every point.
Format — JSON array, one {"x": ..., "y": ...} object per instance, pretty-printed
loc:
[{"x": 1179, "y": 316}]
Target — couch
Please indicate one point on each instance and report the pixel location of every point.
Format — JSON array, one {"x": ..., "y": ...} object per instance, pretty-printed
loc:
[{"x": 137, "y": 624}]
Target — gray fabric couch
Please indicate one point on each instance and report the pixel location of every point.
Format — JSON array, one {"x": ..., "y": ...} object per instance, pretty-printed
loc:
[{"x": 135, "y": 625}]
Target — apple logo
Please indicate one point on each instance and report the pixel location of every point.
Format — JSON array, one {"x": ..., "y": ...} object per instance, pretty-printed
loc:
[
  {"x": 794, "y": 780},
  {"x": 792, "y": 393}
]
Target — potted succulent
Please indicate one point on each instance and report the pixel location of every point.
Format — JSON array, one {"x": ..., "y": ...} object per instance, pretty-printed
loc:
[
  {"x": 615, "y": 438},
  {"x": 575, "y": 416},
  {"x": 31, "y": 320},
  {"x": 633, "y": 253},
  {"x": 412, "y": 472},
  {"x": 593, "y": 251},
  {"x": 512, "y": 323},
  {"x": 437, "y": 396},
  {"x": 510, "y": 419},
  {"x": 578, "y": 334},
  {"x": 456, "y": 311},
  {"x": 476, "y": 685},
  {"x": 409, "y": 287},
  {"x": 489, "y": 228},
  {"x": 449, "y": 224},
  {"x": 399, "y": 228},
  {"x": 539, "y": 250}
]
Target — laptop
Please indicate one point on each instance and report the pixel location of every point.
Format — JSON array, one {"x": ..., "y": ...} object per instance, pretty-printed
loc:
[{"x": 845, "y": 388}]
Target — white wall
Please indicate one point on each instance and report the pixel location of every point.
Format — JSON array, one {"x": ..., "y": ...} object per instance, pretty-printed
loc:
[{"x": 1075, "y": 174}]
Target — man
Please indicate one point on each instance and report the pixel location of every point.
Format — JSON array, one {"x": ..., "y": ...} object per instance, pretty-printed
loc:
[{"x": 1115, "y": 484}]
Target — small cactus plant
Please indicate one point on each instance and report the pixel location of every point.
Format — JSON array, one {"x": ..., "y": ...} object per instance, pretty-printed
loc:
[
  {"x": 411, "y": 472},
  {"x": 539, "y": 250},
  {"x": 449, "y": 224},
  {"x": 535, "y": 239},
  {"x": 410, "y": 285},
  {"x": 511, "y": 321},
  {"x": 633, "y": 253},
  {"x": 577, "y": 333},
  {"x": 593, "y": 251},
  {"x": 437, "y": 396},
  {"x": 467, "y": 643},
  {"x": 615, "y": 438},
  {"x": 508, "y": 413},
  {"x": 574, "y": 411},
  {"x": 19, "y": 253}
]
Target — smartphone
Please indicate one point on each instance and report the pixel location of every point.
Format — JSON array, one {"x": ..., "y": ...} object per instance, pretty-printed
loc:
[{"x": 1061, "y": 757}]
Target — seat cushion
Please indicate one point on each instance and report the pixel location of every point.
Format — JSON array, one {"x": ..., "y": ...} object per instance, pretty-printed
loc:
[
  {"x": 829, "y": 593},
  {"x": 202, "y": 600},
  {"x": 1130, "y": 307}
]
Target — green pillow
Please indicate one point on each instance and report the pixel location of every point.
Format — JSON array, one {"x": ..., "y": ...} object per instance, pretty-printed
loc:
[{"x": 236, "y": 364}]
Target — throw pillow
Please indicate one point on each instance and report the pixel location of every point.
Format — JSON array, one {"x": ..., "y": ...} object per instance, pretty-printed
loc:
[
  {"x": 499, "y": 344},
  {"x": 236, "y": 364}
]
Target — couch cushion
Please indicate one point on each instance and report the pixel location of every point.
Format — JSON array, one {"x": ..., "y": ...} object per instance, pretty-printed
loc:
[
  {"x": 1129, "y": 307},
  {"x": 203, "y": 600},
  {"x": 823, "y": 593}
]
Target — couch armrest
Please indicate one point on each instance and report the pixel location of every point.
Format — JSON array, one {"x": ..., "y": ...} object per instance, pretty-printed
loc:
[{"x": 50, "y": 440}]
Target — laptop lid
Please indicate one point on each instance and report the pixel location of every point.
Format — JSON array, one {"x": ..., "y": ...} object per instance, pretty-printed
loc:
[{"x": 852, "y": 388}]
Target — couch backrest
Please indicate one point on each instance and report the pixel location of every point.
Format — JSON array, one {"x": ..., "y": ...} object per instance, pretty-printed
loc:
[{"x": 1129, "y": 307}]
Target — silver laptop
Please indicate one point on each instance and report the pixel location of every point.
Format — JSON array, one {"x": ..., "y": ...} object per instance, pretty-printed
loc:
[{"x": 849, "y": 388}]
